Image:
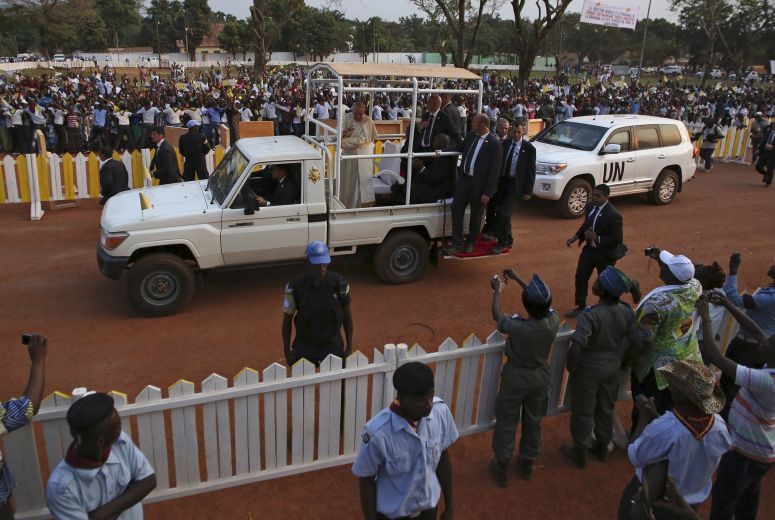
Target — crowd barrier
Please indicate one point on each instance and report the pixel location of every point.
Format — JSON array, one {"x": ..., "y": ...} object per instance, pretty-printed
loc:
[
  {"x": 733, "y": 147},
  {"x": 247, "y": 433},
  {"x": 31, "y": 177}
]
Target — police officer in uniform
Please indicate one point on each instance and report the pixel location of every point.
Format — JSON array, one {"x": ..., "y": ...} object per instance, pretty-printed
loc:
[
  {"x": 403, "y": 465},
  {"x": 524, "y": 385},
  {"x": 598, "y": 346},
  {"x": 318, "y": 303}
]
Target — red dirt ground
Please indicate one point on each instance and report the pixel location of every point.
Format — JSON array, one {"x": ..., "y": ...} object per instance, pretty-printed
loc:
[{"x": 49, "y": 283}]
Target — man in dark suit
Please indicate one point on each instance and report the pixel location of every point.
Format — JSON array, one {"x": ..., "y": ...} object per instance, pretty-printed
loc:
[
  {"x": 285, "y": 189},
  {"x": 765, "y": 160},
  {"x": 113, "y": 175},
  {"x": 192, "y": 148},
  {"x": 477, "y": 181},
  {"x": 165, "y": 162},
  {"x": 449, "y": 108},
  {"x": 603, "y": 237},
  {"x": 518, "y": 175},
  {"x": 434, "y": 122}
]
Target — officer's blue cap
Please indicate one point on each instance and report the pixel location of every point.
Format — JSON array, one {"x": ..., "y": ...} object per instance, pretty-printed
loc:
[
  {"x": 317, "y": 253},
  {"x": 192, "y": 123},
  {"x": 537, "y": 292},
  {"x": 614, "y": 281}
]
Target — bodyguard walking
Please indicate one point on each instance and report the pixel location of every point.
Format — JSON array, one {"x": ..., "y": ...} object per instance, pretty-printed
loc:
[{"x": 193, "y": 147}]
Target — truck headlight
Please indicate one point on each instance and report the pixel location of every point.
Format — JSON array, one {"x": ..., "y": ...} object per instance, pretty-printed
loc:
[
  {"x": 544, "y": 168},
  {"x": 111, "y": 241}
]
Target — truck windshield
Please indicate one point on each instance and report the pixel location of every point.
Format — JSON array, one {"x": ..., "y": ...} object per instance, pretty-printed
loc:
[
  {"x": 227, "y": 173},
  {"x": 573, "y": 135}
]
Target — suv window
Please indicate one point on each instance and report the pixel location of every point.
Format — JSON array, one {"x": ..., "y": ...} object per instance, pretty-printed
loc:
[
  {"x": 622, "y": 138},
  {"x": 261, "y": 183},
  {"x": 671, "y": 136},
  {"x": 648, "y": 137}
]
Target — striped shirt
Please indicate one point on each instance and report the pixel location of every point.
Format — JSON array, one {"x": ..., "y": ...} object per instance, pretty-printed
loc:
[
  {"x": 752, "y": 417},
  {"x": 13, "y": 415}
]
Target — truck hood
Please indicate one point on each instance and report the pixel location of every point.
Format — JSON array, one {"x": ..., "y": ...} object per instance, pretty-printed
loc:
[
  {"x": 169, "y": 203},
  {"x": 557, "y": 154}
]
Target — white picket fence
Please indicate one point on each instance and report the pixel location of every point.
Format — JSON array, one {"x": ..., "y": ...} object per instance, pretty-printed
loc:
[{"x": 269, "y": 425}]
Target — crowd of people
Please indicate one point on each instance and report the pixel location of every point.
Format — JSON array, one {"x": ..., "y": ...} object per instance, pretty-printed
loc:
[{"x": 79, "y": 108}]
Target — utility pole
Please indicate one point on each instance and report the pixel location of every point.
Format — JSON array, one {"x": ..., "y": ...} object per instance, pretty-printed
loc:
[
  {"x": 185, "y": 33},
  {"x": 643, "y": 45},
  {"x": 158, "y": 44}
]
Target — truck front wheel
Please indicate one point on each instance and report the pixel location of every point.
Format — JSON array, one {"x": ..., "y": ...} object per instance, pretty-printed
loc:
[
  {"x": 160, "y": 284},
  {"x": 574, "y": 199},
  {"x": 401, "y": 258}
]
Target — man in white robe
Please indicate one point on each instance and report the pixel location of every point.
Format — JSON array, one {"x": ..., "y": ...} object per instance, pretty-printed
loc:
[{"x": 356, "y": 188}]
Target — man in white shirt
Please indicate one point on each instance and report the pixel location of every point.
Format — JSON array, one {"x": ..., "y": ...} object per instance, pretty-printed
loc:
[
  {"x": 103, "y": 475},
  {"x": 321, "y": 108}
]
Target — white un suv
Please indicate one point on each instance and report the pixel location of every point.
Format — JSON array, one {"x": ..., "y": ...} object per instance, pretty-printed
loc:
[{"x": 632, "y": 154}]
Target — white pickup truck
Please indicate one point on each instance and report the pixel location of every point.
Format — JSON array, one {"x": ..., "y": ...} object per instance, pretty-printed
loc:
[{"x": 203, "y": 225}]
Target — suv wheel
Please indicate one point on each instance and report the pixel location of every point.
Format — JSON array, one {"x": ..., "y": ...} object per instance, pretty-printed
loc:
[
  {"x": 401, "y": 258},
  {"x": 665, "y": 188},
  {"x": 160, "y": 284},
  {"x": 574, "y": 199}
]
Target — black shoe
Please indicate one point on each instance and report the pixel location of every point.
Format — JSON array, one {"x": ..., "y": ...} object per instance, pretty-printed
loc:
[
  {"x": 499, "y": 471},
  {"x": 525, "y": 468},
  {"x": 576, "y": 455},
  {"x": 468, "y": 249},
  {"x": 487, "y": 237},
  {"x": 574, "y": 313},
  {"x": 498, "y": 249},
  {"x": 453, "y": 249},
  {"x": 600, "y": 451}
]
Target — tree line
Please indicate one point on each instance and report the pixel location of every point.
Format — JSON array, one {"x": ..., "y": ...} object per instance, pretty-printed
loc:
[{"x": 727, "y": 33}]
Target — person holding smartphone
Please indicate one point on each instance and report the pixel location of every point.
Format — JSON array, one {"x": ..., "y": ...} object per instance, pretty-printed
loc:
[{"x": 17, "y": 412}]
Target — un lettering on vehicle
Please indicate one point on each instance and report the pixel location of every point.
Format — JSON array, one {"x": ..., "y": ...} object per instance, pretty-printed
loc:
[{"x": 613, "y": 171}]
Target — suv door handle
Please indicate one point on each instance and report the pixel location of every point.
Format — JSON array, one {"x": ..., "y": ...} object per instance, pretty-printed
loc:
[
  {"x": 241, "y": 224},
  {"x": 630, "y": 160},
  {"x": 293, "y": 219},
  {"x": 661, "y": 156}
]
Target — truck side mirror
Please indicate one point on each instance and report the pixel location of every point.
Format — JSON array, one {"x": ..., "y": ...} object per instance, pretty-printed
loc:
[{"x": 612, "y": 148}]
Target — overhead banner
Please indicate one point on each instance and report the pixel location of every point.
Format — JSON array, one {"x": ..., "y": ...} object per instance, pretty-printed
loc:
[{"x": 610, "y": 15}]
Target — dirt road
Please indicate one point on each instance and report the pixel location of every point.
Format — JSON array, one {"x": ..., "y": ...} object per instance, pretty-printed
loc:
[{"x": 49, "y": 283}]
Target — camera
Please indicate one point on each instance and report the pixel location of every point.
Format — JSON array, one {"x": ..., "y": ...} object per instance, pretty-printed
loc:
[{"x": 649, "y": 251}]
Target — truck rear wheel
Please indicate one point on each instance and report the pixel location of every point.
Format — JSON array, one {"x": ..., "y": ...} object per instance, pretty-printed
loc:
[
  {"x": 401, "y": 258},
  {"x": 574, "y": 199},
  {"x": 160, "y": 284}
]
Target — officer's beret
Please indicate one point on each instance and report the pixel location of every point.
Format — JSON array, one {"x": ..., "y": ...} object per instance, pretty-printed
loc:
[
  {"x": 89, "y": 411},
  {"x": 413, "y": 378},
  {"x": 537, "y": 292},
  {"x": 614, "y": 281}
]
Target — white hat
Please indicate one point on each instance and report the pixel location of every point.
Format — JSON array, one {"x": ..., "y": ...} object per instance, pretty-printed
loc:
[
  {"x": 758, "y": 114},
  {"x": 681, "y": 267}
]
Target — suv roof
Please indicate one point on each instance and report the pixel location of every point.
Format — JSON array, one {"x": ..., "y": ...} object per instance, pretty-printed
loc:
[{"x": 611, "y": 120}]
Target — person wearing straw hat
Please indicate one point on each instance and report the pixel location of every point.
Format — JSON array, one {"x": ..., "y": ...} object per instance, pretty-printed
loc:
[
  {"x": 751, "y": 418},
  {"x": 598, "y": 345},
  {"x": 525, "y": 377},
  {"x": 671, "y": 308},
  {"x": 403, "y": 464},
  {"x": 692, "y": 438}
]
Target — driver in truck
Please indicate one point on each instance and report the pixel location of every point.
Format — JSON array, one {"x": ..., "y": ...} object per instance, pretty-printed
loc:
[{"x": 318, "y": 303}]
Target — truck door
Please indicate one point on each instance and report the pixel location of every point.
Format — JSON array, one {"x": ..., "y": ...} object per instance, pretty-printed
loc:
[
  {"x": 618, "y": 169},
  {"x": 276, "y": 231}
]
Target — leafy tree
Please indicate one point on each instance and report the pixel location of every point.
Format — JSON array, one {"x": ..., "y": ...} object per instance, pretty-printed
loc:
[
  {"x": 197, "y": 19},
  {"x": 121, "y": 19},
  {"x": 236, "y": 37},
  {"x": 165, "y": 18},
  {"x": 268, "y": 18},
  {"x": 531, "y": 34},
  {"x": 463, "y": 19},
  {"x": 707, "y": 20}
]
